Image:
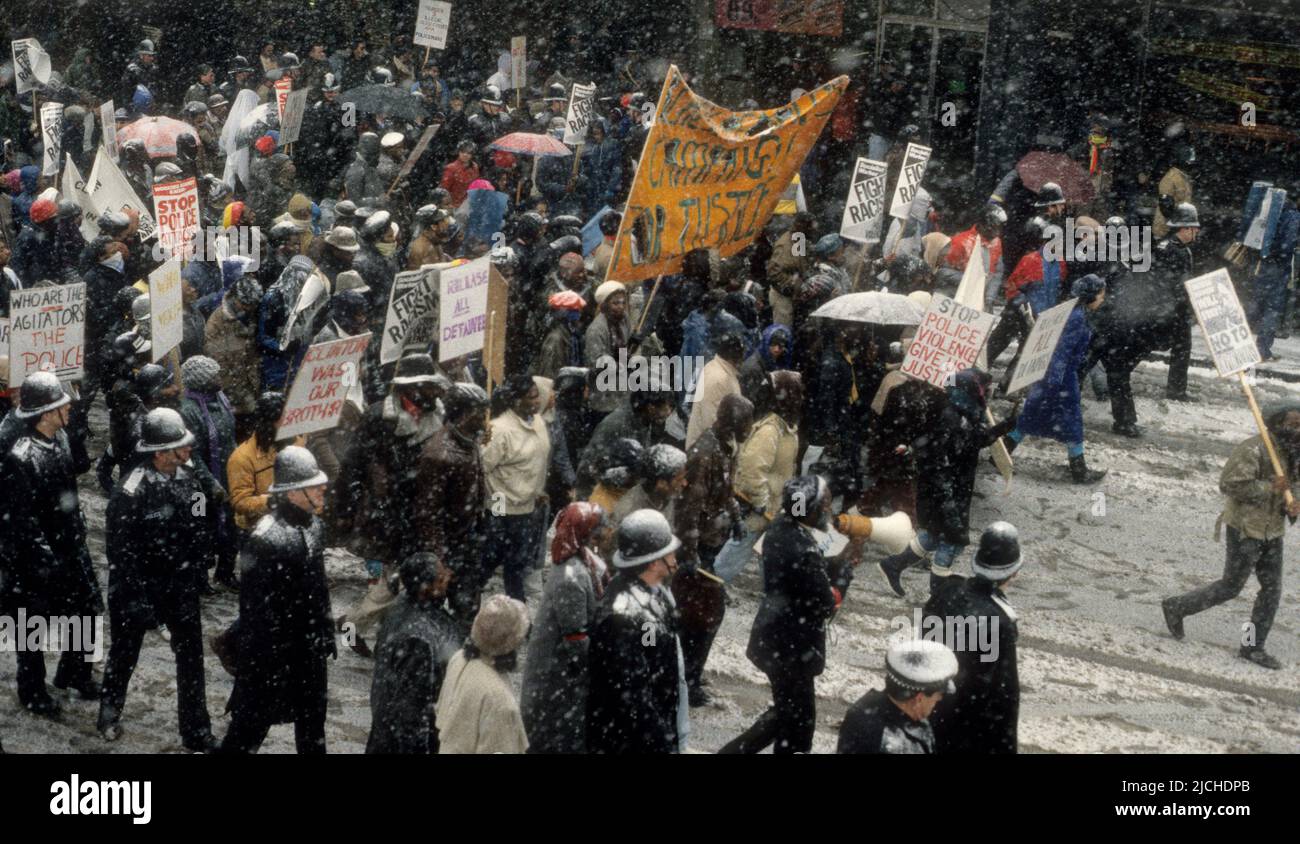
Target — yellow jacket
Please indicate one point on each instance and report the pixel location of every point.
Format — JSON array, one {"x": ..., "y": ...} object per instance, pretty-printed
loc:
[{"x": 250, "y": 471}]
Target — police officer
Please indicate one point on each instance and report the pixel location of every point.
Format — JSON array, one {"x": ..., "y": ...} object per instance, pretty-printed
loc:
[
  {"x": 1172, "y": 264},
  {"x": 285, "y": 628},
  {"x": 556, "y": 102},
  {"x": 142, "y": 70},
  {"x": 492, "y": 122},
  {"x": 982, "y": 716},
  {"x": 918, "y": 673},
  {"x": 45, "y": 568},
  {"x": 159, "y": 531}
]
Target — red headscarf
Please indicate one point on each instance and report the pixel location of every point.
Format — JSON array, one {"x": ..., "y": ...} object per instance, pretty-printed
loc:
[{"x": 573, "y": 527}]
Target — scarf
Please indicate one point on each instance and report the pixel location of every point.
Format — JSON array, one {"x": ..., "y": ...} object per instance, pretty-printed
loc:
[{"x": 573, "y": 527}]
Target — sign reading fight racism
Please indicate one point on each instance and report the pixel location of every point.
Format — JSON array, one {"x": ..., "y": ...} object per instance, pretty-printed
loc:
[
  {"x": 519, "y": 62},
  {"x": 176, "y": 208},
  {"x": 31, "y": 64},
  {"x": 166, "y": 327},
  {"x": 411, "y": 311},
  {"x": 108, "y": 129},
  {"x": 110, "y": 191},
  {"x": 909, "y": 179},
  {"x": 431, "y": 24},
  {"x": 710, "y": 177},
  {"x": 47, "y": 331},
  {"x": 864, "y": 210},
  {"x": 52, "y": 136},
  {"x": 1040, "y": 345},
  {"x": 291, "y": 120},
  {"x": 328, "y": 371},
  {"x": 582, "y": 105},
  {"x": 1223, "y": 321},
  {"x": 947, "y": 341}
]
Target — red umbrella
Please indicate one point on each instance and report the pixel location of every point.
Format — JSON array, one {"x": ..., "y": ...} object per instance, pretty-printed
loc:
[
  {"x": 1037, "y": 168},
  {"x": 527, "y": 143},
  {"x": 158, "y": 134}
]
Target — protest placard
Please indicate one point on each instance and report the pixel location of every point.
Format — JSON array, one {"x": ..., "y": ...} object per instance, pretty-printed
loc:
[
  {"x": 52, "y": 137},
  {"x": 4, "y": 338},
  {"x": 519, "y": 62},
  {"x": 295, "y": 104},
  {"x": 176, "y": 210},
  {"x": 110, "y": 191},
  {"x": 1040, "y": 345},
  {"x": 412, "y": 311},
  {"x": 431, "y": 24},
  {"x": 582, "y": 105},
  {"x": 329, "y": 371},
  {"x": 947, "y": 341},
  {"x": 864, "y": 209},
  {"x": 47, "y": 331},
  {"x": 283, "y": 87},
  {"x": 1227, "y": 333},
  {"x": 710, "y": 177},
  {"x": 31, "y": 64},
  {"x": 108, "y": 129},
  {"x": 909, "y": 179},
  {"x": 166, "y": 326},
  {"x": 73, "y": 187},
  {"x": 463, "y": 309}
]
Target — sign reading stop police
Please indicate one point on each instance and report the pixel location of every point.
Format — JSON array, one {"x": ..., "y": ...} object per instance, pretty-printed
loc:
[
  {"x": 947, "y": 341},
  {"x": 176, "y": 208}
]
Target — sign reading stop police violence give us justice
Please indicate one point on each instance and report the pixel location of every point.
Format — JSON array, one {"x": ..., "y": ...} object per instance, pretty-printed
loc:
[{"x": 947, "y": 341}]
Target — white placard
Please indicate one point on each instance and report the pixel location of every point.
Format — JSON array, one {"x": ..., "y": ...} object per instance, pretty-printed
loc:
[
  {"x": 909, "y": 179},
  {"x": 463, "y": 304},
  {"x": 110, "y": 191},
  {"x": 582, "y": 107},
  {"x": 295, "y": 104},
  {"x": 431, "y": 24},
  {"x": 1040, "y": 345},
  {"x": 47, "y": 331},
  {"x": 1219, "y": 313},
  {"x": 108, "y": 129},
  {"x": 410, "y": 310},
  {"x": 947, "y": 341},
  {"x": 52, "y": 137},
  {"x": 519, "y": 62},
  {"x": 73, "y": 187},
  {"x": 166, "y": 326},
  {"x": 329, "y": 371},
  {"x": 31, "y": 64},
  {"x": 864, "y": 208}
]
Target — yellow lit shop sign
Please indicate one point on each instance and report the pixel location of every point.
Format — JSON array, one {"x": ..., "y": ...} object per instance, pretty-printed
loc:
[
  {"x": 1268, "y": 54},
  {"x": 1216, "y": 87}
]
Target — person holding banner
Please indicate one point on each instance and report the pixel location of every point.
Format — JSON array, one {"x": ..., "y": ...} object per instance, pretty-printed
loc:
[
  {"x": 1053, "y": 407},
  {"x": 1253, "y": 514}
]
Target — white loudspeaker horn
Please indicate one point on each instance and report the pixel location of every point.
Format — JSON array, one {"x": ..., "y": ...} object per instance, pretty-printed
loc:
[{"x": 893, "y": 532}]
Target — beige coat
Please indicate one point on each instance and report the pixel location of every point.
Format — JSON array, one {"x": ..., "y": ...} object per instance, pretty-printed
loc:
[
  {"x": 718, "y": 379},
  {"x": 515, "y": 462},
  {"x": 477, "y": 711},
  {"x": 1251, "y": 506},
  {"x": 1176, "y": 184},
  {"x": 767, "y": 461},
  {"x": 233, "y": 345},
  {"x": 785, "y": 273}
]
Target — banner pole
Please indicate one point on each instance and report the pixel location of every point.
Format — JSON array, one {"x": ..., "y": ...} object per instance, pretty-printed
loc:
[
  {"x": 1263, "y": 433},
  {"x": 645, "y": 310}
]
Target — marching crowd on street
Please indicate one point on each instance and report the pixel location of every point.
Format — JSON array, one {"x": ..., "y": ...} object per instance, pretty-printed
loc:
[{"x": 638, "y": 505}]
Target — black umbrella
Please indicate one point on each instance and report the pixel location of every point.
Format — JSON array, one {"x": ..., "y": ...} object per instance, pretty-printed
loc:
[{"x": 385, "y": 99}]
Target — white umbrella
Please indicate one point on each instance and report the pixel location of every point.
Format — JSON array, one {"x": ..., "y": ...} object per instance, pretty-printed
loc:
[{"x": 873, "y": 307}]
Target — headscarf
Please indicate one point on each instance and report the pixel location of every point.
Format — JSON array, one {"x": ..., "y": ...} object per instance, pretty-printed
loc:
[
  {"x": 573, "y": 528},
  {"x": 765, "y": 345}
]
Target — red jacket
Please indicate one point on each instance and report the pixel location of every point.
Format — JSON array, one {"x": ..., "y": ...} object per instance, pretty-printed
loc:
[
  {"x": 456, "y": 178},
  {"x": 959, "y": 250},
  {"x": 1029, "y": 270}
]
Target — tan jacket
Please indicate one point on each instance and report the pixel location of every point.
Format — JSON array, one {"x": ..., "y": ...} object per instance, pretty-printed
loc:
[
  {"x": 767, "y": 461},
  {"x": 477, "y": 711},
  {"x": 718, "y": 379},
  {"x": 1176, "y": 184},
  {"x": 1251, "y": 506},
  {"x": 515, "y": 463},
  {"x": 785, "y": 273},
  {"x": 233, "y": 345}
]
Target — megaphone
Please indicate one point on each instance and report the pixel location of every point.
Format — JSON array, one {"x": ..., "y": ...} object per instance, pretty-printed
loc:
[{"x": 893, "y": 532}]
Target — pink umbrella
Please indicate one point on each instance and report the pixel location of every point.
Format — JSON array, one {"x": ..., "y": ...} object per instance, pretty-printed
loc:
[
  {"x": 1038, "y": 168},
  {"x": 526, "y": 143},
  {"x": 158, "y": 134}
]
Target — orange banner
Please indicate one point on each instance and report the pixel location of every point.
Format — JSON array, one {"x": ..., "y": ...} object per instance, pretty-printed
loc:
[{"x": 710, "y": 177}]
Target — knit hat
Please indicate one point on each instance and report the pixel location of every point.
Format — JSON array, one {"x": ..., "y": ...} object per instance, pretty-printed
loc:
[
  {"x": 42, "y": 210},
  {"x": 500, "y": 626},
  {"x": 201, "y": 373},
  {"x": 608, "y": 289},
  {"x": 566, "y": 300},
  {"x": 1087, "y": 288},
  {"x": 265, "y": 145}
]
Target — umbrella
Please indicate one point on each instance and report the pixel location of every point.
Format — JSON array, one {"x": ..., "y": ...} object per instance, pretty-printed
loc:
[
  {"x": 1036, "y": 168},
  {"x": 873, "y": 307},
  {"x": 158, "y": 134},
  {"x": 385, "y": 99},
  {"x": 264, "y": 114},
  {"x": 526, "y": 143}
]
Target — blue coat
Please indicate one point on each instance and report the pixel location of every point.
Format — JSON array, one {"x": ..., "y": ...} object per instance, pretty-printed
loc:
[{"x": 1052, "y": 408}]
